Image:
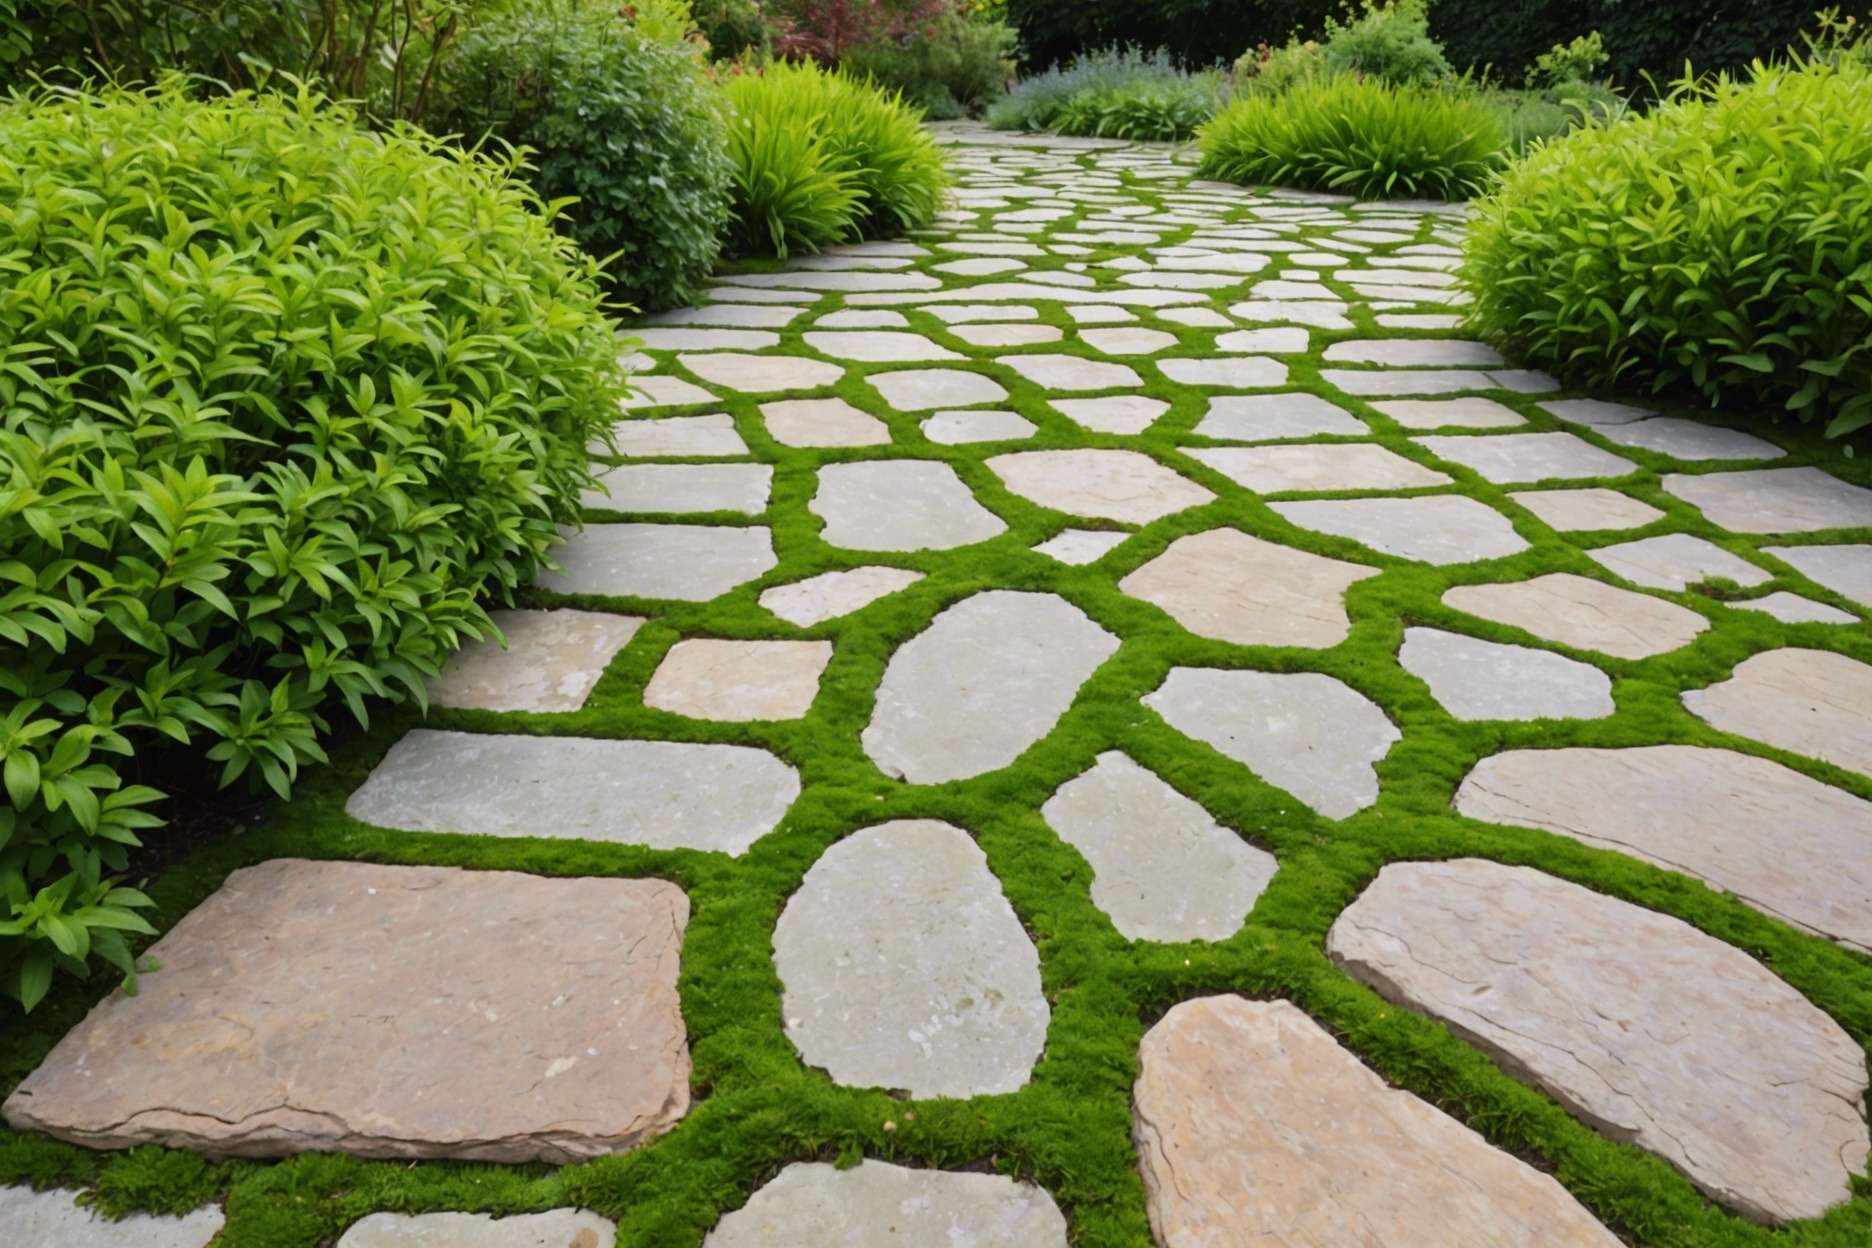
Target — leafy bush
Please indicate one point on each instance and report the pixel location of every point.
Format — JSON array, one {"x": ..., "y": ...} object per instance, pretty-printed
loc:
[
  {"x": 1038, "y": 101},
  {"x": 1721, "y": 242},
  {"x": 624, "y": 122},
  {"x": 1141, "y": 110},
  {"x": 1195, "y": 32},
  {"x": 829, "y": 30},
  {"x": 1273, "y": 70},
  {"x": 1576, "y": 61},
  {"x": 956, "y": 66},
  {"x": 1361, "y": 137},
  {"x": 820, "y": 157},
  {"x": 280, "y": 402},
  {"x": 1389, "y": 41}
]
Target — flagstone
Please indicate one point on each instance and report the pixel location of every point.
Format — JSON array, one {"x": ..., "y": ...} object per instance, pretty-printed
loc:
[
  {"x": 1419, "y": 320},
  {"x": 1326, "y": 313},
  {"x": 1128, "y": 340},
  {"x": 858, "y": 318},
  {"x": 1476, "y": 679},
  {"x": 1127, "y": 486},
  {"x": 761, "y": 374},
  {"x": 1775, "y": 500},
  {"x": 1846, "y": 570},
  {"x": 1116, "y": 414},
  {"x": 1636, "y": 1022},
  {"x": 550, "y": 662},
  {"x": 902, "y": 966},
  {"x": 958, "y": 313},
  {"x": 676, "y": 338},
  {"x": 1675, "y": 561},
  {"x": 738, "y": 681},
  {"x": 730, "y": 316},
  {"x": 813, "y": 1204},
  {"x": 850, "y": 282},
  {"x": 1463, "y": 413},
  {"x": 1266, "y": 417},
  {"x": 1229, "y": 586},
  {"x": 685, "y": 562},
  {"x": 1026, "y": 292},
  {"x": 55, "y": 1219},
  {"x": 900, "y": 504},
  {"x": 1596, "y": 412},
  {"x": 979, "y": 266},
  {"x": 976, "y": 425},
  {"x": 1195, "y": 318},
  {"x": 1254, "y": 1128},
  {"x": 1080, "y": 546},
  {"x": 1583, "y": 613},
  {"x": 822, "y": 423},
  {"x": 1594, "y": 507},
  {"x": 1317, "y": 467},
  {"x": 1690, "y": 439},
  {"x": 832, "y": 594},
  {"x": 746, "y": 294},
  {"x": 1439, "y": 529},
  {"x": 388, "y": 1011},
  {"x": 1007, "y": 335},
  {"x": 557, "y": 1228},
  {"x": 1245, "y": 372},
  {"x": 877, "y": 346},
  {"x": 1794, "y": 609},
  {"x": 1279, "y": 340},
  {"x": 681, "y": 488},
  {"x": 921, "y": 389},
  {"x": 660, "y": 391},
  {"x": 1072, "y": 372},
  {"x": 1811, "y": 702},
  {"x": 710, "y": 435},
  {"x": 1385, "y": 383},
  {"x": 1415, "y": 353}
]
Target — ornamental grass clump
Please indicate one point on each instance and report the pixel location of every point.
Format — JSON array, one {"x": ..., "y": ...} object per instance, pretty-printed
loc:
[{"x": 282, "y": 402}]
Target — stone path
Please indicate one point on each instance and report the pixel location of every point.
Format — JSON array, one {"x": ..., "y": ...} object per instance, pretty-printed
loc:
[{"x": 1019, "y": 640}]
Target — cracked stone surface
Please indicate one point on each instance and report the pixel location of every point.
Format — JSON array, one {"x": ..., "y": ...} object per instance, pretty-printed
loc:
[
  {"x": 663, "y": 794},
  {"x": 822, "y": 422},
  {"x": 1583, "y": 613},
  {"x": 1255, "y": 1129},
  {"x": 557, "y": 1228},
  {"x": 1163, "y": 868},
  {"x": 1635, "y": 1021},
  {"x": 1265, "y": 417},
  {"x": 1594, "y": 507},
  {"x": 1675, "y": 561},
  {"x": 900, "y": 504},
  {"x": 738, "y": 681},
  {"x": 1317, "y": 467},
  {"x": 680, "y": 488},
  {"x": 1439, "y": 529},
  {"x": 685, "y": 562},
  {"x": 811, "y": 1204},
  {"x": 1309, "y": 734},
  {"x": 1230, "y": 586},
  {"x": 1783, "y": 843},
  {"x": 988, "y": 678},
  {"x": 548, "y": 1005},
  {"x": 1775, "y": 500},
  {"x": 550, "y": 662},
  {"x": 832, "y": 594},
  {"x": 1811, "y": 702},
  {"x": 902, "y": 966},
  {"x": 1127, "y": 486},
  {"x": 1476, "y": 679},
  {"x": 54, "y": 1219}
]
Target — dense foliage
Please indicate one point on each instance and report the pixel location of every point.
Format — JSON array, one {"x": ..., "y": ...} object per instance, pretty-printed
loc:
[
  {"x": 1359, "y": 136},
  {"x": 617, "y": 118},
  {"x": 821, "y": 157},
  {"x": 1195, "y": 32},
  {"x": 283, "y": 401},
  {"x": 1115, "y": 92},
  {"x": 1388, "y": 40},
  {"x": 1721, "y": 242},
  {"x": 957, "y": 64}
]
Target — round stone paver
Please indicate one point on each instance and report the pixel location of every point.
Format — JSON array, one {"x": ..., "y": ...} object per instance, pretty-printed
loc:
[
  {"x": 559, "y": 1228},
  {"x": 904, "y": 967},
  {"x": 1637, "y": 1022},
  {"x": 1127, "y": 486},
  {"x": 1812, "y": 702},
  {"x": 900, "y": 504},
  {"x": 1476, "y": 679},
  {"x": 877, "y": 1205},
  {"x": 1229, "y": 586}
]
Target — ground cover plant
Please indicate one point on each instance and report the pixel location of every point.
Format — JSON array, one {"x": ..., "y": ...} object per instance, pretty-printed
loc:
[
  {"x": 1118, "y": 92},
  {"x": 758, "y": 1107},
  {"x": 286, "y": 404}
]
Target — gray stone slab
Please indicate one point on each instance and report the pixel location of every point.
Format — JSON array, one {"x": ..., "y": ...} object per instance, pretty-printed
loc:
[
  {"x": 55, "y": 1219},
  {"x": 1006, "y": 335},
  {"x": 981, "y": 424},
  {"x": 1775, "y": 500},
  {"x": 1690, "y": 439},
  {"x": 730, "y": 316},
  {"x": 1244, "y": 372},
  {"x": 550, "y": 661},
  {"x": 557, "y": 1228},
  {"x": 1476, "y": 679},
  {"x": 1281, "y": 340},
  {"x": 1127, "y": 486},
  {"x": 822, "y": 423},
  {"x": 1322, "y": 467},
  {"x": 857, "y": 318},
  {"x": 902, "y": 966},
  {"x": 955, "y": 314},
  {"x": 924, "y": 389},
  {"x": 1304, "y": 732},
  {"x": 761, "y": 374},
  {"x": 1127, "y": 340},
  {"x": 1163, "y": 868},
  {"x": 1596, "y": 412},
  {"x": 876, "y": 346},
  {"x": 655, "y": 391},
  {"x": 1635, "y": 1021},
  {"x": 1507, "y": 458},
  {"x": 1439, "y": 528},
  {"x": 1415, "y": 353},
  {"x": 1266, "y": 417},
  {"x": 1398, "y": 382},
  {"x": 1587, "y": 508},
  {"x": 1255, "y": 1129},
  {"x": 684, "y": 562},
  {"x": 832, "y": 594},
  {"x": 1783, "y": 843},
  {"x": 1067, "y": 373},
  {"x": 1099, "y": 314},
  {"x": 383, "y": 1011},
  {"x": 1846, "y": 570},
  {"x": 1675, "y": 561},
  {"x": 900, "y": 504},
  {"x": 1229, "y": 586},
  {"x": 1463, "y": 413},
  {"x": 713, "y": 434},
  {"x": 1320, "y": 313},
  {"x": 848, "y": 282},
  {"x": 1583, "y": 613},
  {"x": 1027, "y": 293},
  {"x": 1812, "y": 702},
  {"x": 663, "y": 794},
  {"x": 737, "y": 681},
  {"x": 680, "y": 339},
  {"x": 1114, "y": 413},
  {"x": 811, "y": 1204},
  {"x": 1794, "y": 609},
  {"x": 679, "y": 489},
  {"x": 1080, "y": 546}
]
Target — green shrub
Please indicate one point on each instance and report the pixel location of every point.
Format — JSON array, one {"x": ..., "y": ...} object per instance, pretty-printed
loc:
[
  {"x": 1390, "y": 41},
  {"x": 1273, "y": 70},
  {"x": 1039, "y": 101},
  {"x": 1160, "y": 111},
  {"x": 1360, "y": 137},
  {"x": 1722, "y": 242},
  {"x": 1576, "y": 61},
  {"x": 820, "y": 157},
  {"x": 956, "y": 66},
  {"x": 621, "y": 121},
  {"x": 1194, "y": 32},
  {"x": 280, "y": 402}
]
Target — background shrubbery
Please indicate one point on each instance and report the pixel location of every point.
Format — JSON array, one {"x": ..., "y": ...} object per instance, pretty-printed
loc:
[
  {"x": 1114, "y": 92},
  {"x": 282, "y": 402}
]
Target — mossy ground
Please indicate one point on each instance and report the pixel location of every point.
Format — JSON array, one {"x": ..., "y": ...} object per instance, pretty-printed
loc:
[{"x": 758, "y": 1108}]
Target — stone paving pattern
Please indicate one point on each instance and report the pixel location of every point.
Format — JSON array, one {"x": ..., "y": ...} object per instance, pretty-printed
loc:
[{"x": 1019, "y": 639}]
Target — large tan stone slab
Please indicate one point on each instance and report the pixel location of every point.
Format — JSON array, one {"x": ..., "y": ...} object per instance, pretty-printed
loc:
[
  {"x": 713, "y": 434},
  {"x": 1813, "y": 702},
  {"x": 664, "y": 794},
  {"x": 1583, "y": 613},
  {"x": 1675, "y": 561},
  {"x": 1636, "y": 1022},
  {"x": 832, "y": 594},
  {"x": 738, "y": 681},
  {"x": 1318, "y": 467},
  {"x": 877, "y": 346},
  {"x": 1476, "y": 679},
  {"x": 761, "y": 374},
  {"x": 1067, "y": 373},
  {"x": 1515, "y": 457},
  {"x": 685, "y": 562},
  {"x": 1846, "y": 570},
  {"x": 1436, "y": 528},
  {"x": 904, "y": 967},
  {"x": 822, "y": 422},
  {"x": 387, "y": 1012},
  {"x": 55, "y": 1219},
  {"x": 1775, "y": 500},
  {"x": 923, "y": 389},
  {"x": 1593, "y": 507},
  {"x": 1788, "y": 845},
  {"x": 1227, "y": 585},
  {"x": 1266, "y": 417},
  {"x": 681, "y": 488},
  {"x": 1255, "y": 1129},
  {"x": 557, "y": 1228},
  {"x": 812, "y": 1204},
  {"x": 550, "y": 662},
  {"x": 990, "y": 676},
  {"x": 900, "y": 504},
  {"x": 1127, "y": 486}
]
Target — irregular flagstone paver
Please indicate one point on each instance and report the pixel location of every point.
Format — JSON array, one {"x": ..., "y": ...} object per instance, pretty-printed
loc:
[
  {"x": 1079, "y": 546},
  {"x": 685, "y": 562},
  {"x": 1246, "y": 372},
  {"x": 558, "y": 1228},
  {"x": 990, "y": 676},
  {"x": 55, "y": 1219},
  {"x": 1596, "y": 412},
  {"x": 1515, "y": 457},
  {"x": 738, "y": 681},
  {"x": 1304, "y": 732},
  {"x": 1570, "y": 511},
  {"x": 1255, "y": 1129},
  {"x": 1846, "y": 570},
  {"x": 1635, "y": 1021},
  {"x": 550, "y": 662},
  {"x": 1466, "y": 413},
  {"x": 1583, "y": 613},
  {"x": 1416, "y": 353},
  {"x": 1098, "y": 314},
  {"x": 1476, "y": 679},
  {"x": 655, "y": 391},
  {"x": 1317, "y": 467},
  {"x": 388, "y": 1011},
  {"x": 904, "y": 967},
  {"x": 799, "y": 279},
  {"x": 1229, "y": 586},
  {"x": 876, "y": 346},
  {"x": 680, "y": 488},
  {"x": 1794, "y": 609},
  {"x": 1127, "y": 341},
  {"x": 713, "y": 434},
  {"x": 761, "y": 374},
  {"x": 922, "y": 389},
  {"x": 1785, "y": 844},
  {"x": 1675, "y": 561},
  {"x": 1163, "y": 869},
  {"x": 1264, "y": 417},
  {"x": 664, "y": 794},
  {"x": 812, "y": 1204},
  {"x": 1439, "y": 529},
  {"x": 1690, "y": 439},
  {"x": 957, "y": 313},
  {"x": 1008, "y": 335},
  {"x": 1406, "y": 381},
  {"x": 846, "y": 318},
  {"x": 822, "y": 423},
  {"x": 677, "y": 339},
  {"x": 900, "y": 504},
  {"x": 1775, "y": 500},
  {"x": 1072, "y": 372},
  {"x": 976, "y": 425},
  {"x": 1027, "y": 292},
  {"x": 1279, "y": 341},
  {"x": 1127, "y": 486},
  {"x": 832, "y": 594},
  {"x": 1323, "y": 314},
  {"x": 1812, "y": 702},
  {"x": 1115, "y": 413}
]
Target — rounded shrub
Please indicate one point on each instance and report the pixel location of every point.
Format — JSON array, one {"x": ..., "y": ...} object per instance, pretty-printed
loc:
[
  {"x": 281, "y": 402},
  {"x": 1722, "y": 242},
  {"x": 1358, "y": 136},
  {"x": 625, "y": 124}
]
